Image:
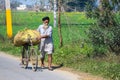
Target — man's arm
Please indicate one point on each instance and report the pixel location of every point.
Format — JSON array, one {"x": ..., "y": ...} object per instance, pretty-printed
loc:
[{"x": 44, "y": 36}]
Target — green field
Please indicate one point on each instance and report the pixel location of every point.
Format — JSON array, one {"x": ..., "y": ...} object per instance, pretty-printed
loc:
[{"x": 73, "y": 25}]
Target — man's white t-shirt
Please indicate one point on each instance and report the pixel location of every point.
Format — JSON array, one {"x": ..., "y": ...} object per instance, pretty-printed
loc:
[{"x": 46, "y": 44}]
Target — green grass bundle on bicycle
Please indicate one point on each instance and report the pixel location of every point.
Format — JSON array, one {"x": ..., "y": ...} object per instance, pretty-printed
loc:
[{"x": 22, "y": 37}]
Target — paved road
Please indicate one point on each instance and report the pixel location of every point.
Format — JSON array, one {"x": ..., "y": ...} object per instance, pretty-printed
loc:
[{"x": 11, "y": 70}]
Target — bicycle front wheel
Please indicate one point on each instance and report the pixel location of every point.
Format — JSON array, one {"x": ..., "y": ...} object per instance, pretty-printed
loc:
[{"x": 34, "y": 59}]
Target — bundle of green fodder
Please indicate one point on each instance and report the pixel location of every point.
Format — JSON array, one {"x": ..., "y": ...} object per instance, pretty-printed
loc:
[{"x": 24, "y": 36}]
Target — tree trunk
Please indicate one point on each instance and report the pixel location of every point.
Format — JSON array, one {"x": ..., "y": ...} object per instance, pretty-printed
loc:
[{"x": 59, "y": 23}]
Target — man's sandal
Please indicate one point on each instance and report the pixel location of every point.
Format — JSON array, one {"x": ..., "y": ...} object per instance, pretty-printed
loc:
[{"x": 51, "y": 69}]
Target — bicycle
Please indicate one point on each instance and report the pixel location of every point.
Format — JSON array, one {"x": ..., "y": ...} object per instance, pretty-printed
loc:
[{"x": 29, "y": 54}]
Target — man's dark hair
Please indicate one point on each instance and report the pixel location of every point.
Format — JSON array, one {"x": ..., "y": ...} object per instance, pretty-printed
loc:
[{"x": 45, "y": 18}]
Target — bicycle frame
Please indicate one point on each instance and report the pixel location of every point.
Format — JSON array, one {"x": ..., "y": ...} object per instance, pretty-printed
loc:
[{"x": 29, "y": 54}]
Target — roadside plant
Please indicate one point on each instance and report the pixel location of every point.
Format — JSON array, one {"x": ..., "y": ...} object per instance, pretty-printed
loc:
[{"x": 107, "y": 29}]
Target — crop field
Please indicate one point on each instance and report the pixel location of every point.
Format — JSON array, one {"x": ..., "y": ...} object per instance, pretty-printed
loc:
[{"x": 73, "y": 25}]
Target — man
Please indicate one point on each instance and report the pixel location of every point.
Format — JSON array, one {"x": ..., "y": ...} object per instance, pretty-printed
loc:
[{"x": 46, "y": 44}]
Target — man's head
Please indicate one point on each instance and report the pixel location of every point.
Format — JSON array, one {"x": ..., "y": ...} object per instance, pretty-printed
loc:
[{"x": 46, "y": 20}]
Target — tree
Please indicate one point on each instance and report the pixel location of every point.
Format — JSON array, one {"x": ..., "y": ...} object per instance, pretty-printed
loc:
[
  {"x": 89, "y": 8},
  {"x": 59, "y": 23},
  {"x": 78, "y": 5},
  {"x": 106, "y": 32},
  {"x": 2, "y": 4},
  {"x": 14, "y": 4},
  {"x": 116, "y": 3}
]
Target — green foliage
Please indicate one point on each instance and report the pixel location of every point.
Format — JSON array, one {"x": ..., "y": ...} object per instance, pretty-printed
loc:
[
  {"x": 114, "y": 72},
  {"x": 89, "y": 9},
  {"x": 106, "y": 32},
  {"x": 8, "y": 47},
  {"x": 96, "y": 35},
  {"x": 72, "y": 54},
  {"x": 97, "y": 39},
  {"x": 114, "y": 39}
]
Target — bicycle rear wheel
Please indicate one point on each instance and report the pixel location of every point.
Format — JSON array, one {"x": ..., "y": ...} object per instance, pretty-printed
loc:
[
  {"x": 25, "y": 57},
  {"x": 34, "y": 59}
]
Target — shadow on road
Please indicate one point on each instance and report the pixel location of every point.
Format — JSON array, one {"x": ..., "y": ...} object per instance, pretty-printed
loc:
[
  {"x": 59, "y": 66},
  {"x": 41, "y": 69}
]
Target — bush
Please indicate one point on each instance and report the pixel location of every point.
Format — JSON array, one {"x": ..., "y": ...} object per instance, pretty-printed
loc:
[
  {"x": 106, "y": 32},
  {"x": 97, "y": 39}
]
